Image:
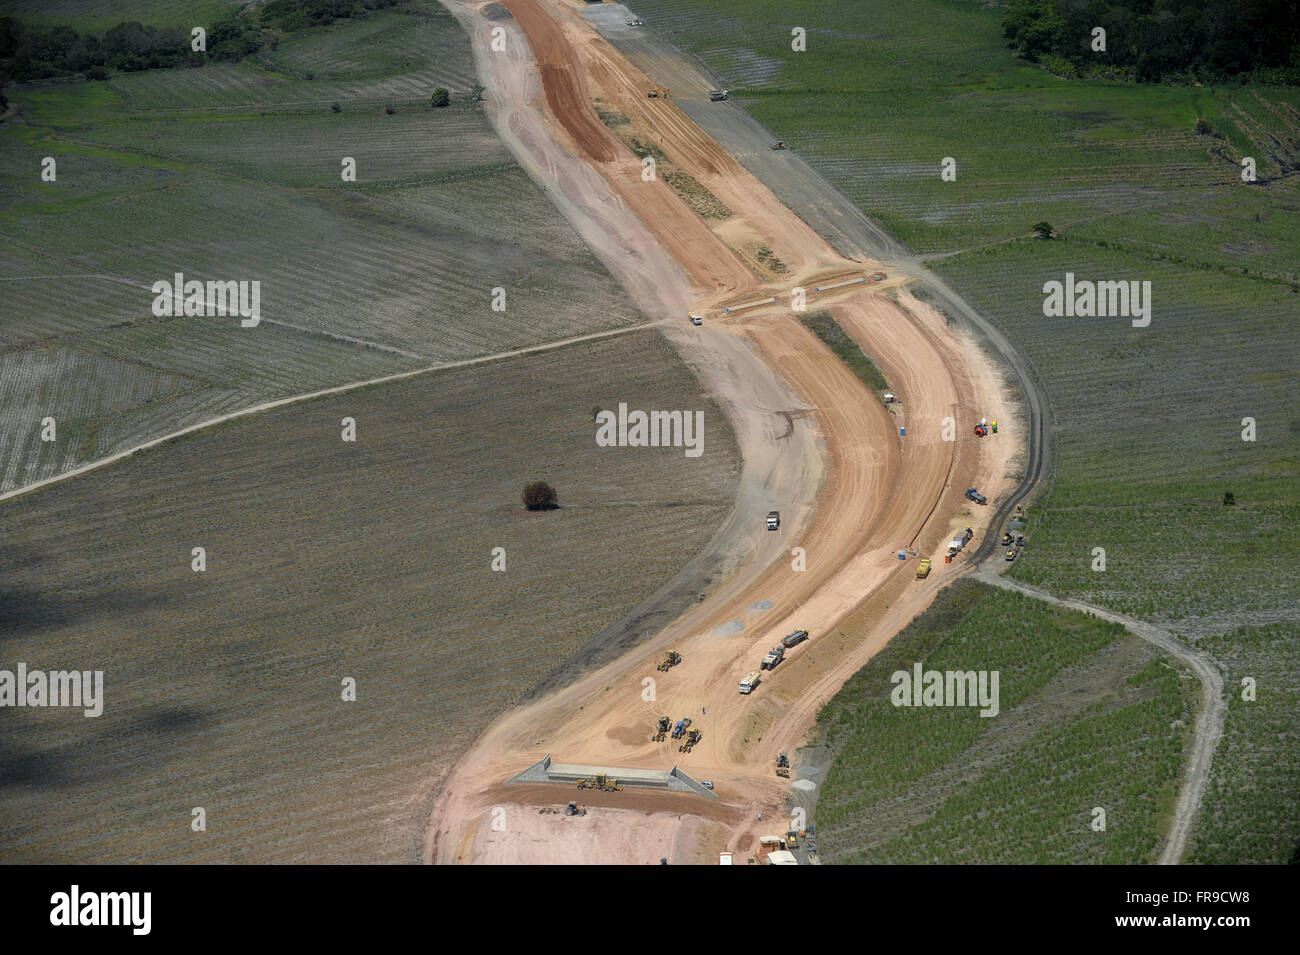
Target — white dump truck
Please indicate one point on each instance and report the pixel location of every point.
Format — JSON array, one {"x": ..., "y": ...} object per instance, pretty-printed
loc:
[
  {"x": 748, "y": 684},
  {"x": 773, "y": 520}
]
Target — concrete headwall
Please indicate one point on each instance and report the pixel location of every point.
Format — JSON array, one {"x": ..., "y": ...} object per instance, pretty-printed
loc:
[{"x": 544, "y": 771}]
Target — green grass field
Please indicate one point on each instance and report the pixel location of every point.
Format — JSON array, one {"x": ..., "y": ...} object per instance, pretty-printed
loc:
[
  {"x": 1249, "y": 811},
  {"x": 1088, "y": 717},
  {"x": 233, "y": 171}
]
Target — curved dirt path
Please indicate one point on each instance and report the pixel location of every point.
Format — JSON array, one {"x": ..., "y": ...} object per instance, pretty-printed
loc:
[
  {"x": 310, "y": 395},
  {"x": 1209, "y": 719},
  {"x": 878, "y": 490}
]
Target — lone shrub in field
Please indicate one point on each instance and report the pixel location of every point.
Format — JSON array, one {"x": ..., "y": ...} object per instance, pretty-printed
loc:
[
  {"x": 540, "y": 496},
  {"x": 336, "y": 107},
  {"x": 440, "y": 98},
  {"x": 1043, "y": 230},
  {"x": 1229, "y": 499}
]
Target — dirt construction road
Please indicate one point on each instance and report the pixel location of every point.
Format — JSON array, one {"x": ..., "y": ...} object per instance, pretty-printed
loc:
[{"x": 816, "y": 442}]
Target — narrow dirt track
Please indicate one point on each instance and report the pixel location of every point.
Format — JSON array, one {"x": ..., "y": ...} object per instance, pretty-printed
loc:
[
  {"x": 879, "y": 490},
  {"x": 311, "y": 396}
]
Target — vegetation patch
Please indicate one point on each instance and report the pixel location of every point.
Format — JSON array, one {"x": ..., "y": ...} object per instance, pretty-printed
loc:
[
  {"x": 1178, "y": 40},
  {"x": 771, "y": 261},
  {"x": 702, "y": 202},
  {"x": 822, "y": 324}
]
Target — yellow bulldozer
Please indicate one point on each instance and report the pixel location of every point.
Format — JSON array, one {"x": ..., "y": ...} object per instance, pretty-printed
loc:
[
  {"x": 693, "y": 737},
  {"x": 670, "y": 660}
]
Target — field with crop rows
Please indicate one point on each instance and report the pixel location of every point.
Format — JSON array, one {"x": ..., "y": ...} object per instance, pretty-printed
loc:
[
  {"x": 388, "y": 57},
  {"x": 1089, "y": 716},
  {"x": 1153, "y": 406},
  {"x": 327, "y": 560},
  {"x": 305, "y": 150},
  {"x": 1238, "y": 574},
  {"x": 96, "y": 16},
  {"x": 232, "y": 172},
  {"x": 1249, "y": 813},
  {"x": 420, "y": 42}
]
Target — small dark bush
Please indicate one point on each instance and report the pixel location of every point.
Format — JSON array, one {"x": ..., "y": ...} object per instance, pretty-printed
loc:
[{"x": 540, "y": 496}]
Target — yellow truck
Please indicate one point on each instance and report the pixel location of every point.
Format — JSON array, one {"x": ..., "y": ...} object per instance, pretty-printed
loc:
[{"x": 923, "y": 569}]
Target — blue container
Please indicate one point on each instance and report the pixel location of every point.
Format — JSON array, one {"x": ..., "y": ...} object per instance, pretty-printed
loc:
[{"x": 902, "y": 432}]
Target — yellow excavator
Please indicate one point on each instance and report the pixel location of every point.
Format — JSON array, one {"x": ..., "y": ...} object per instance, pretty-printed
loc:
[{"x": 659, "y": 92}]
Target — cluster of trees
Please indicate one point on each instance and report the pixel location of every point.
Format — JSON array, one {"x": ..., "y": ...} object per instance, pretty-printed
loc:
[
  {"x": 27, "y": 54},
  {"x": 32, "y": 54},
  {"x": 1161, "y": 40}
]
